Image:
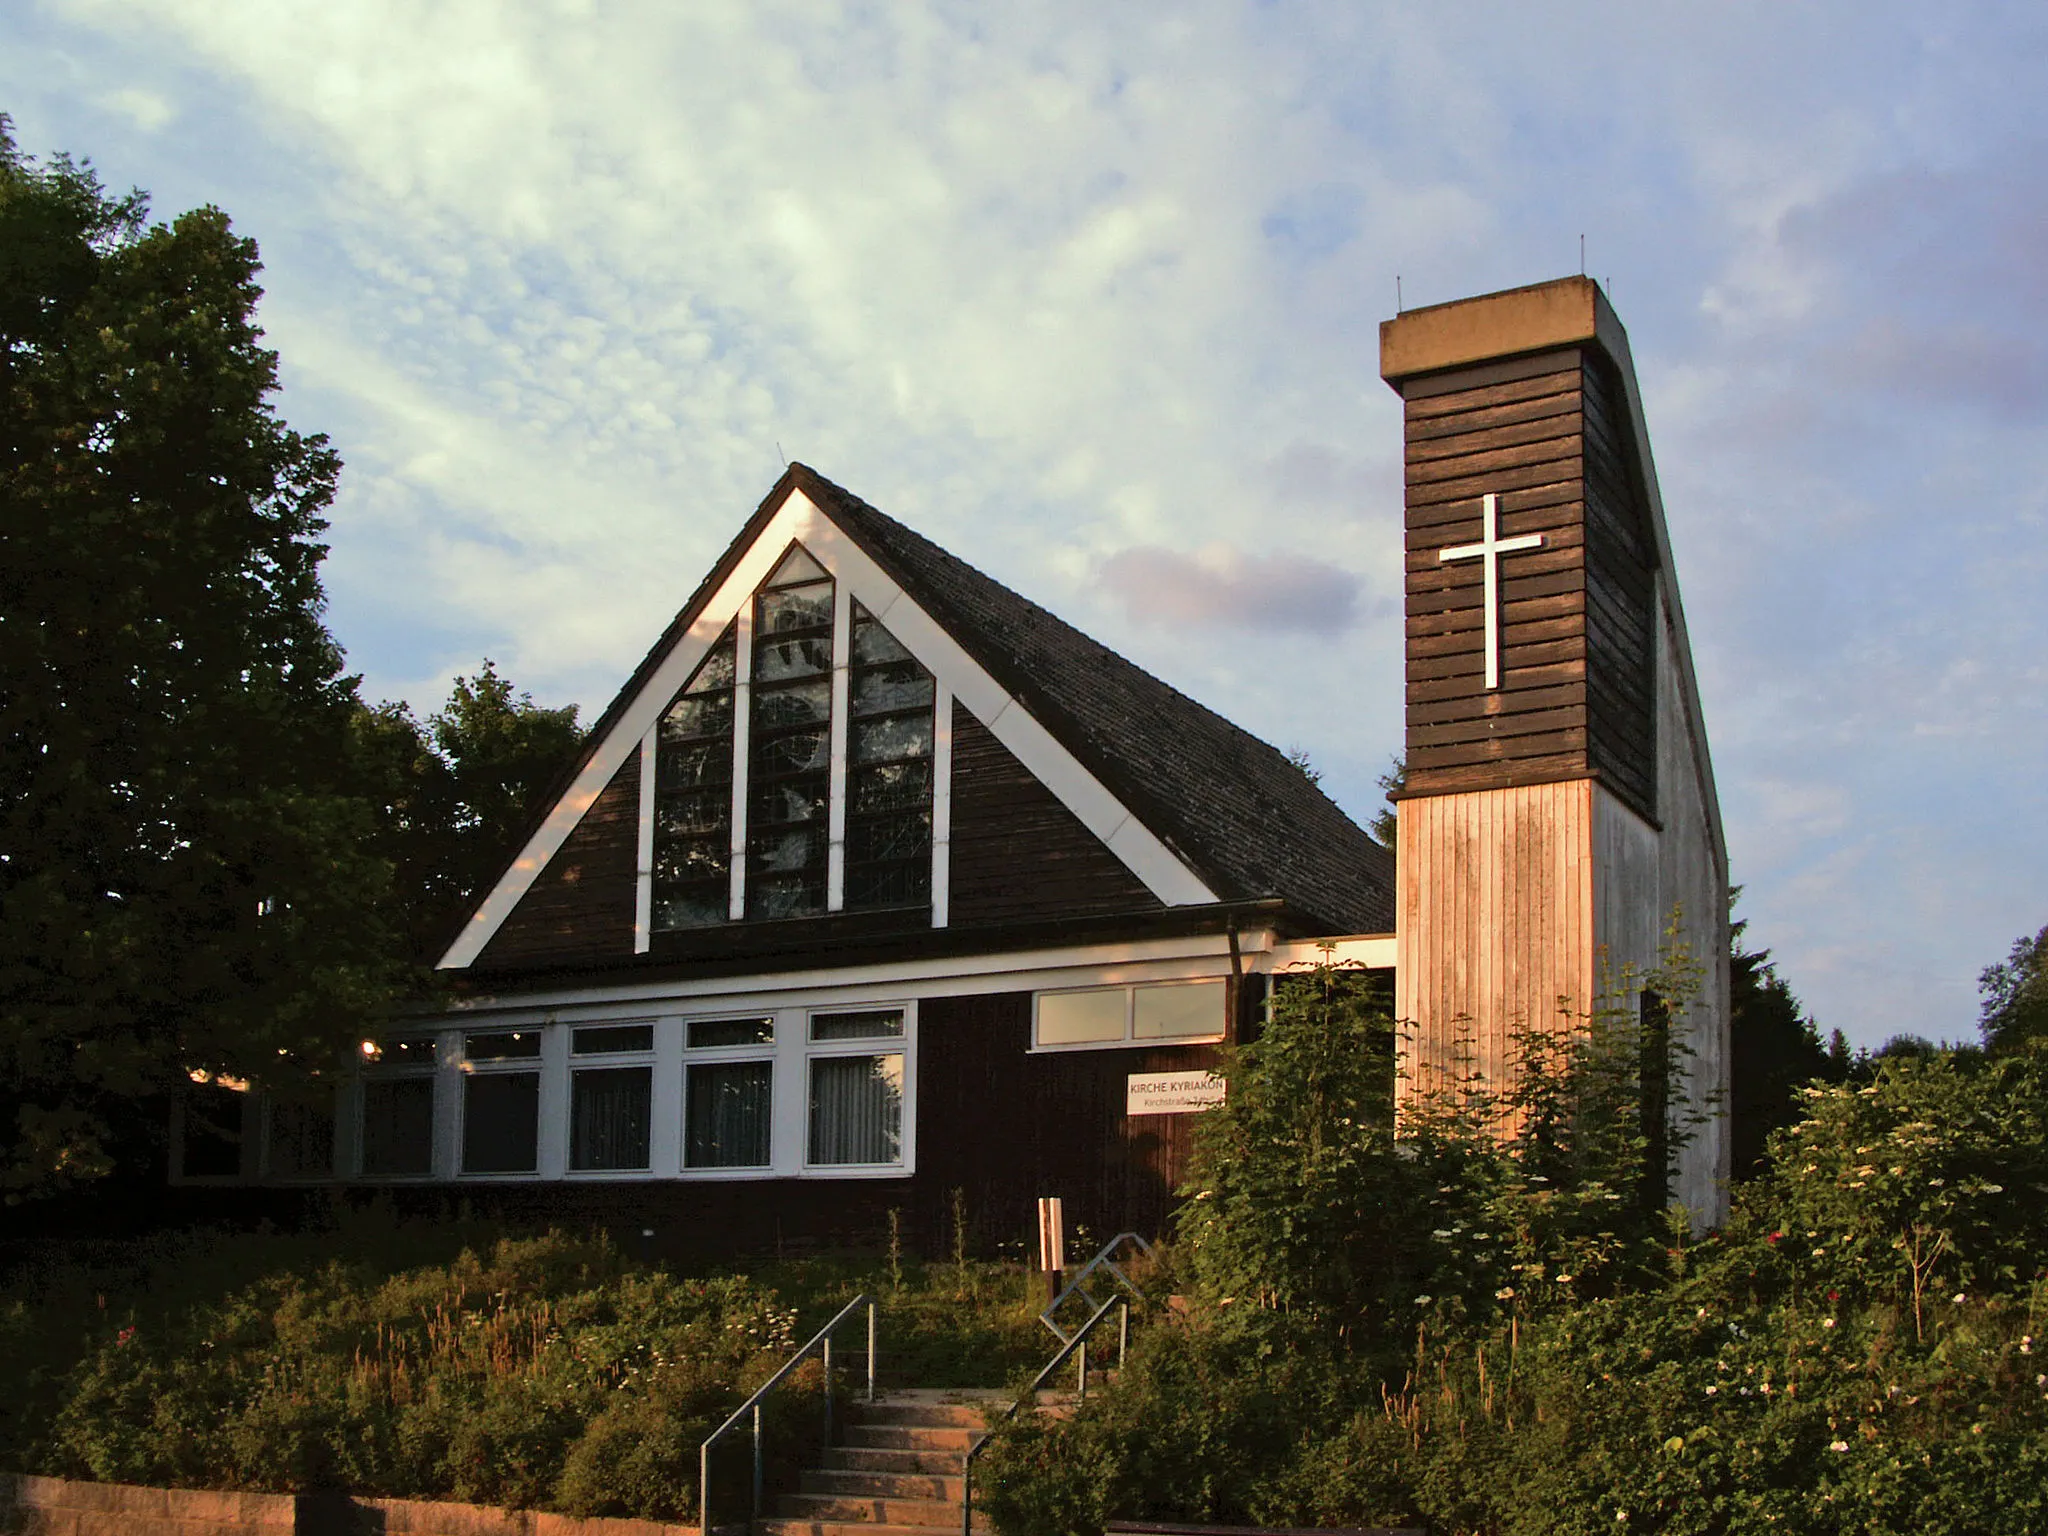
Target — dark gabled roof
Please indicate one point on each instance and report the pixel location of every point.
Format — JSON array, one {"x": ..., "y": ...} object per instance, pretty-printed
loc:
[
  {"x": 1245, "y": 818},
  {"x": 1248, "y": 821}
]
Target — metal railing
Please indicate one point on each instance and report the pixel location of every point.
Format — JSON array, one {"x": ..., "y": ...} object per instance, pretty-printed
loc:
[
  {"x": 1076, "y": 1345},
  {"x": 821, "y": 1344},
  {"x": 1078, "y": 1286}
]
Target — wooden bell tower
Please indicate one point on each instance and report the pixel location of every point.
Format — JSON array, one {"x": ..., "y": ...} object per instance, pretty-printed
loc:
[{"x": 1560, "y": 810}]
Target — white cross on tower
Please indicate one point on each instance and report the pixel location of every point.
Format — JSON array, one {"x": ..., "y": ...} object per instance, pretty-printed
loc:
[{"x": 1490, "y": 548}]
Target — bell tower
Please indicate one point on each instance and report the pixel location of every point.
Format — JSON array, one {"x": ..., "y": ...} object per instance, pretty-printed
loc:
[{"x": 1559, "y": 815}]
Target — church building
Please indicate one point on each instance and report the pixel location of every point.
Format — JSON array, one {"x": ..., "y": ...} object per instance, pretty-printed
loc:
[{"x": 878, "y": 886}]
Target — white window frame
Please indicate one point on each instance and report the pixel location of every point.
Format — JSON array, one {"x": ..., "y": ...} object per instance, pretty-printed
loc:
[
  {"x": 897, "y": 1045},
  {"x": 598, "y": 1061},
  {"x": 718, "y": 1055},
  {"x": 789, "y": 1056},
  {"x": 1130, "y": 1041},
  {"x": 538, "y": 1066},
  {"x": 375, "y": 1072}
]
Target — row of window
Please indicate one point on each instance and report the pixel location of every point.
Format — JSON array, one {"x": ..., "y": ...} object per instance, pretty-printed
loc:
[
  {"x": 787, "y": 1092},
  {"x": 851, "y": 1065}
]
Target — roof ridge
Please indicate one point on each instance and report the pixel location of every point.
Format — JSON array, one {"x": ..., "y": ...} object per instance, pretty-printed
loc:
[
  {"x": 1253, "y": 825},
  {"x": 903, "y": 528}
]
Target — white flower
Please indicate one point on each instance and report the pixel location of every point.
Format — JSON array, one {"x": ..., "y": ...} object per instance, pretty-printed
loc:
[
  {"x": 1423, "y": 1301},
  {"x": 1820, "y": 1253},
  {"x": 1564, "y": 1279},
  {"x": 1839, "y": 1445},
  {"x": 1505, "y": 1293},
  {"x": 2026, "y": 1343},
  {"x": 1960, "y": 1297},
  {"x": 1712, "y": 1390},
  {"x": 1827, "y": 1322}
]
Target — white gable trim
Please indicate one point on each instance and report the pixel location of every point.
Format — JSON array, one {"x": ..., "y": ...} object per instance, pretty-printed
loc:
[{"x": 1139, "y": 849}]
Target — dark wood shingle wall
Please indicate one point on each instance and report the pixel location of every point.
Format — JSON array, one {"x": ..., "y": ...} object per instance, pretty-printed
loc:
[
  {"x": 581, "y": 907},
  {"x": 1547, "y": 434},
  {"x": 1017, "y": 853}
]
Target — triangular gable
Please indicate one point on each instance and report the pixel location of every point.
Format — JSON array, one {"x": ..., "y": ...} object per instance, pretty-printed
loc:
[{"x": 798, "y": 519}]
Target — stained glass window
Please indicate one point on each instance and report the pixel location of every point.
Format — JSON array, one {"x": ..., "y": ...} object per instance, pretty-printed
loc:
[
  {"x": 888, "y": 772},
  {"x": 693, "y": 798},
  {"x": 789, "y": 768}
]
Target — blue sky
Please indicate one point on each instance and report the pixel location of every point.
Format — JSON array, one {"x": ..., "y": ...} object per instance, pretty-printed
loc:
[{"x": 1091, "y": 294}]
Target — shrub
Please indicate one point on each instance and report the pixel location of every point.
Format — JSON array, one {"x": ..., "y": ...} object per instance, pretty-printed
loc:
[
  {"x": 1861, "y": 1348},
  {"x": 543, "y": 1374}
]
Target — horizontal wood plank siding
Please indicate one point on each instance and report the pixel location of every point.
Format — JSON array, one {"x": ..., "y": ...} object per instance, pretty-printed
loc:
[
  {"x": 1514, "y": 429},
  {"x": 1547, "y": 435},
  {"x": 1495, "y": 925},
  {"x": 582, "y": 906},
  {"x": 1017, "y": 853},
  {"x": 1621, "y": 593}
]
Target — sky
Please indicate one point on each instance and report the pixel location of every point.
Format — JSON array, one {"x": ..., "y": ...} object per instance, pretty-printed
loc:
[{"x": 1090, "y": 295}]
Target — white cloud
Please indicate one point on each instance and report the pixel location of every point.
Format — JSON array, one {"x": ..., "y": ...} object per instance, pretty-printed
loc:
[{"x": 1082, "y": 292}]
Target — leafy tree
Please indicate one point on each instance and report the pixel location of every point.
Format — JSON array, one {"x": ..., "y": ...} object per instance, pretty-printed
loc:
[
  {"x": 1774, "y": 1050},
  {"x": 186, "y": 874},
  {"x": 2015, "y": 1009},
  {"x": 456, "y": 789}
]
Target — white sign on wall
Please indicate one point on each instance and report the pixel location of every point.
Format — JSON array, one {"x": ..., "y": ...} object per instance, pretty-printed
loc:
[{"x": 1171, "y": 1093}]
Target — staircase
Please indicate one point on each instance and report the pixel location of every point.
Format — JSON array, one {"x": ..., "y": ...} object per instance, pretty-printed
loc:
[{"x": 896, "y": 1473}]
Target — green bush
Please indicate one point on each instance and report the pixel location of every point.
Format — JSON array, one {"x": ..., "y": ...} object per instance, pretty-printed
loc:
[
  {"x": 1496, "y": 1336},
  {"x": 545, "y": 1374}
]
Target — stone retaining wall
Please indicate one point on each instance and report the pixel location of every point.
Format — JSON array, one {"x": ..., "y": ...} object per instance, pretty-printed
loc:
[{"x": 54, "y": 1506}]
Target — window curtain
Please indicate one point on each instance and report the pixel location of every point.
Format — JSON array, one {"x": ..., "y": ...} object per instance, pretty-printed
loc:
[
  {"x": 856, "y": 1109},
  {"x": 608, "y": 1118},
  {"x": 728, "y": 1114}
]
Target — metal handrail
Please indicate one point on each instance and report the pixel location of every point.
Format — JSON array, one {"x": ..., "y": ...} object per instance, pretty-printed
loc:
[
  {"x": 1078, "y": 1285},
  {"x": 821, "y": 1342},
  {"x": 1077, "y": 1344}
]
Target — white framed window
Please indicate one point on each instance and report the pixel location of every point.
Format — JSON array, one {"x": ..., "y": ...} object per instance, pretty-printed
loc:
[
  {"x": 794, "y": 772},
  {"x": 728, "y": 1093},
  {"x": 1146, "y": 1013},
  {"x": 501, "y": 1101},
  {"x": 395, "y": 1109},
  {"x": 855, "y": 1090},
  {"x": 611, "y": 1097}
]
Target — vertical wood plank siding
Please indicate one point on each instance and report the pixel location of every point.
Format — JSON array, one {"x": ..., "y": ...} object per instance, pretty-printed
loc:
[
  {"x": 582, "y": 906},
  {"x": 1495, "y": 933},
  {"x": 1017, "y": 853},
  {"x": 1547, "y": 435},
  {"x": 1005, "y": 1126}
]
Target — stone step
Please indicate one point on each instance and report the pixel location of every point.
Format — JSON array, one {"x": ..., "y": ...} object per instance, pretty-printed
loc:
[
  {"x": 843, "y": 1508},
  {"x": 912, "y": 1437},
  {"x": 856, "y": 1458},
  {"x": 934, "y": 1415},
  {"x": 883, "y": 1485}
]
